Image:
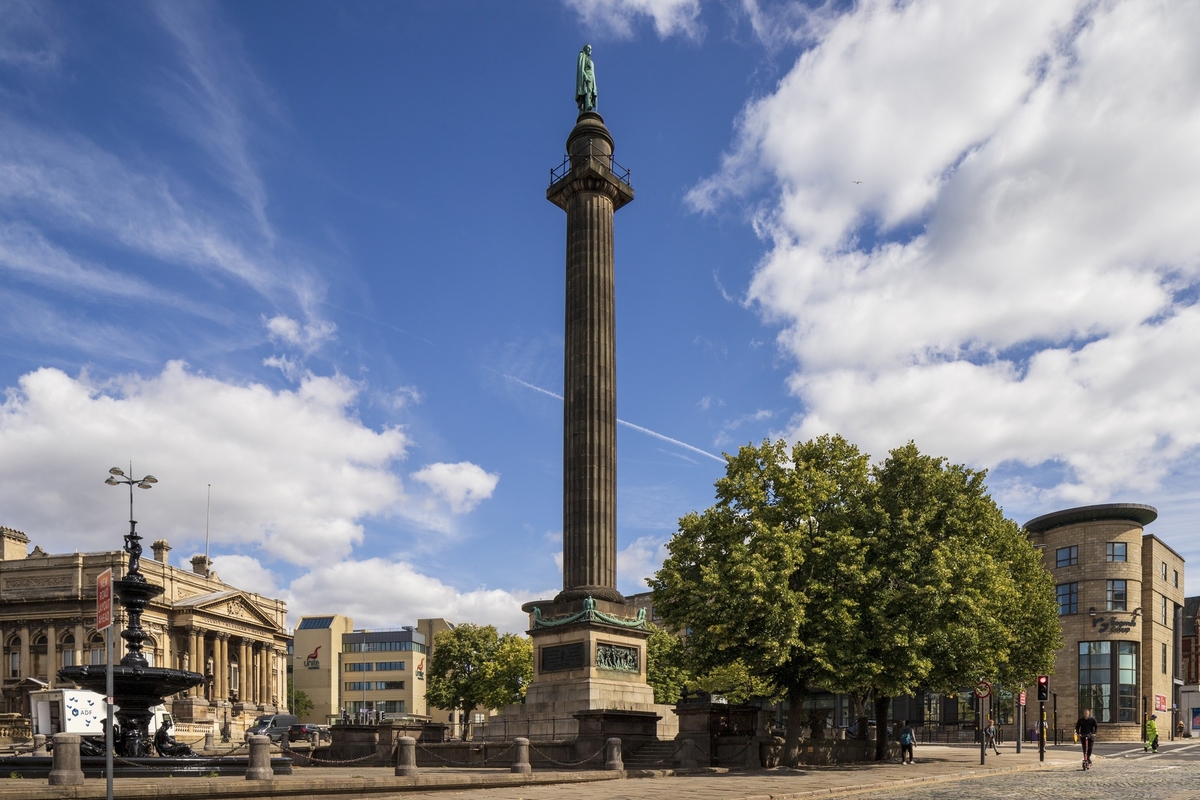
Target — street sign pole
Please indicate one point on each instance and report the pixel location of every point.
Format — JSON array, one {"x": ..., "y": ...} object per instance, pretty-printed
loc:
[
  {"x": 1042, "y": 730},
  {"x": 1020, "y": 721},
  {"x": 104, "y": 589},
  {"x": 983, "y": 690}
]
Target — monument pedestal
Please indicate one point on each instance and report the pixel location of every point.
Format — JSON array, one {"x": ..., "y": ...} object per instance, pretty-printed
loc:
[
  {"x": 589, "y": 675},
  {"x": 190, "y": 709}
]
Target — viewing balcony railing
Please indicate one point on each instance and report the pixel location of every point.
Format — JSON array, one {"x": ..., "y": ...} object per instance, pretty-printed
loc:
[{"x": 606, "y": 160}]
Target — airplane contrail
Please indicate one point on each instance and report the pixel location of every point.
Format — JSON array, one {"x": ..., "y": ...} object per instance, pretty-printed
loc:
[{"x": 638, "y": 428}]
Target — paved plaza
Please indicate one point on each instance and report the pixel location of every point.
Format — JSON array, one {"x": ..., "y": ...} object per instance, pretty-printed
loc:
[{"x": 942, "y": 772}]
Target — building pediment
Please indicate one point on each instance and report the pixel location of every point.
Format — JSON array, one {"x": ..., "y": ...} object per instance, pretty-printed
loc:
[{"x": 231, "y": 604}]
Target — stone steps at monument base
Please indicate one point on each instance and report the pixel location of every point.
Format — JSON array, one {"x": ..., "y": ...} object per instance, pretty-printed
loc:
[{"x": 655, "y": 755}]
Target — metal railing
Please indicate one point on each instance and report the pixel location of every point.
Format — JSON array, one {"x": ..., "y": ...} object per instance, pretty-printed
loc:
[
  {"x": 541, "y": 729},
  {"x": 606, "y": 160}
]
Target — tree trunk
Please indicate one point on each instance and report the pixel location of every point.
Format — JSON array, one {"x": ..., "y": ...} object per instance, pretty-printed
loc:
[
  {"x": 795, "y": 727},
  {"x": 882, "y": 729}
]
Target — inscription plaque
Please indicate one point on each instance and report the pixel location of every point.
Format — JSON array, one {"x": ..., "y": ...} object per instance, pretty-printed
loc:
[{"x": 561, "y": 657}]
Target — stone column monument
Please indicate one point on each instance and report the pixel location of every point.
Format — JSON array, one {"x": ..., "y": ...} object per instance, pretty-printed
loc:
[{"x": 589, "y": 644}]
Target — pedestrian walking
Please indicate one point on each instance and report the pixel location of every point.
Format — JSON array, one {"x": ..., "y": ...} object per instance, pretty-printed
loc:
[
  {"x": 1152, "y": 734},
  {"x": 990, "y": 732},
  {"x": 907, "y": 740}
]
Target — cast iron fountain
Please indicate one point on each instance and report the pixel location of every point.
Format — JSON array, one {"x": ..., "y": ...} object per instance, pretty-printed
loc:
[{"x": 137, "y": 686}]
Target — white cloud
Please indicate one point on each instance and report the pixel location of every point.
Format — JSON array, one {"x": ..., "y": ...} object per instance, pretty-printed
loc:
[
  {"x": 379, "y": 592},
  {"x": 308, "y": 337},
  {"x": 462, "y": 486},
  {"x": 1015, "y": 277},
  {"x": 293, "y": 472},
  {"x": 639, "y": 561},
  {"x": 618, "y": 17},
  {"x": 243, "y": 572}
]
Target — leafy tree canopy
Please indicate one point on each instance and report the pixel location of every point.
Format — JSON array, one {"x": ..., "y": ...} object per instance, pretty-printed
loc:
[
  {"x": 473, "y": 666},
  {"x": 815, "y": 570}
]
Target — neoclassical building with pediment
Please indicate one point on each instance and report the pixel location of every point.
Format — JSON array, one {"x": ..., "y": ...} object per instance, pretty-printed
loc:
[{"x": 237, "y": 639}]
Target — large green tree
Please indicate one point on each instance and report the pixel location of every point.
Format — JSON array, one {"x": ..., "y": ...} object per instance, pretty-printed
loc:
[
  {"x": 817, "y": 571},
  {"x": 758, "y": 577},
  {"x": 473, "y": 666},
  {"x": 301, "y": 703},
  {"x": 950, "y": 591}
]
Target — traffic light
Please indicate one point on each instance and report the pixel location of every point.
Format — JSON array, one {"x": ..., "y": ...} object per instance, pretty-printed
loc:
[{"x": 1043, "y": 687}]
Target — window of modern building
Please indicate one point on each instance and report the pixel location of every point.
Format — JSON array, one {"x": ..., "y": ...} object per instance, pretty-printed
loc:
[
  {"x": 385, "y": 686},
  {"x": 391, "y": 706},
  {"x": 1164, "y": 658},
  {"x": 389, "y": 666},
  {"x": 362, "y": 666},
  {"x": 1068, "y": 598},
  {"x": 1066, "y": 556},
  {"x": 1164, "y": 610},
  {"x": 381, "y": 647},
  {"x": 1115, "y": 595},
  {"x": 1176, "y": 578},
  {"x": 1096, "y": 684},
  {"x": 314, "y": 623},
  {"x": 1115, "y": 551},
  {"x": 359, "y": 686},
  {"x": 1164, "y": 570}
]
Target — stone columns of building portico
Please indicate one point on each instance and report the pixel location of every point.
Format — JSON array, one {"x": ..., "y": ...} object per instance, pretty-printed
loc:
[
  {"x": 51, "y": 654},
  {"x": 195, "y": 662},
  {"x": 246, "y": 672},
  {"x": 222, "y": 667},
  {"x": 25, "y": 658},
  {"x": 264, "y": 674},
  {"x": 79, "y": 650}
]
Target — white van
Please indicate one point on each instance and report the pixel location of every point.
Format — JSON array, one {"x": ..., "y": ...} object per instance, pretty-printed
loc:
[{"x": 78, "y": 711}]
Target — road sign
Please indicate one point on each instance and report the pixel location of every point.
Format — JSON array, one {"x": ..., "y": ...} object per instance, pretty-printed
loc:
[
  {"x": 104, "y": 600},
  {"x": 1022, "y": 697},
  {"x": 983, "y": 689}
]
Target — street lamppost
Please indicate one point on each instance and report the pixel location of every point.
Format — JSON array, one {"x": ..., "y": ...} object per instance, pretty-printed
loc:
[{"x": 135, "y": 554}]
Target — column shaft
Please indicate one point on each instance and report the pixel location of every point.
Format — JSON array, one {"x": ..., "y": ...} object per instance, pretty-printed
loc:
[
  {"x": 79, "y": 645},
  {"x": 25, "y": 658},
  {"x": 51, "y": 654}
]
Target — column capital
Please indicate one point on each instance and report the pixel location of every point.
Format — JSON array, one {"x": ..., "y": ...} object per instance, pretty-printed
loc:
[{"x": 224, "y": 637}]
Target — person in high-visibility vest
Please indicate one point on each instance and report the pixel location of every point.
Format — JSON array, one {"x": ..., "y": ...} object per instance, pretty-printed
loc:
[{"x": 1152, "y": 734}]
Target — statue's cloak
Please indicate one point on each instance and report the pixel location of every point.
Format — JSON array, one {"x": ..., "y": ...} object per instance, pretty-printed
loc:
[{"x": 585, "y": 82}]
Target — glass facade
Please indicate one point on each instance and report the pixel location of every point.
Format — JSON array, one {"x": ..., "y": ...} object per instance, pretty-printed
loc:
[
  {"x": 1095, "y": 679},
  {"x": 1068, "y": 598},
  {"x": 381, "y": 647},
  {"x": 1100, "y": 678}
]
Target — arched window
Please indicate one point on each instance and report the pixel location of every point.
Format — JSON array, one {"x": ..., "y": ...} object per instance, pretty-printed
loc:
[
  {"x": 96, "y": 648},
  {"x": 12, "y": 657},
  {"x": 148, "y": 648},
  {"x": 37, "y": 655},
  {"x": 66, "y": 646}
]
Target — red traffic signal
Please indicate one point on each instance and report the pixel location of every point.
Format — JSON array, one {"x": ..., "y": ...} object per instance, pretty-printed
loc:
[{"x": 1043, "y": 687}]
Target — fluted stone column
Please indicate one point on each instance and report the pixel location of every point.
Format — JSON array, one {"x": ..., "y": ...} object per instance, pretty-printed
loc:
[
  {"x": 264, "y": 675},
  {"x": 590, "y": 193},
  {"x": 51, "y": 654},
  {"x": 26, "y": 658},
  {"x": 221, "y": 657},
  {"x": 79, "y": 644}
]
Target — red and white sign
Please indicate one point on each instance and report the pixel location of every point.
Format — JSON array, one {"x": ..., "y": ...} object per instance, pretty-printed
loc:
[
  {"x": 983, "y": 689},
  {"x": 104, "y": 600},
  {"x": 1160, "y": 702},
  {"x": 1022, "y": 697}
]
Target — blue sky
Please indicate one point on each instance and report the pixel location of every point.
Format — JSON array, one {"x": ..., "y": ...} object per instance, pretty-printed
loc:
[{"x": 302, "y": 252}]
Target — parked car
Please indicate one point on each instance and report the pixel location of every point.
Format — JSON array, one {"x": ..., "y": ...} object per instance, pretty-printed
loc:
[
  {"x": 305, "y": 731},
  {"x": 275, "y": 726}
]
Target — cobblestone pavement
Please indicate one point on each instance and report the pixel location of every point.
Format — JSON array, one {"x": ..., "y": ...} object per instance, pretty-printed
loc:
[
  {"x": 1157, "y": 779},
  {"x": 954, "y": 778}
]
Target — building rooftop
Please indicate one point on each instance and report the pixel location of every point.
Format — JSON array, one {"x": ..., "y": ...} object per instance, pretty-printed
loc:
[{"x": 1133, "y": 512}]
